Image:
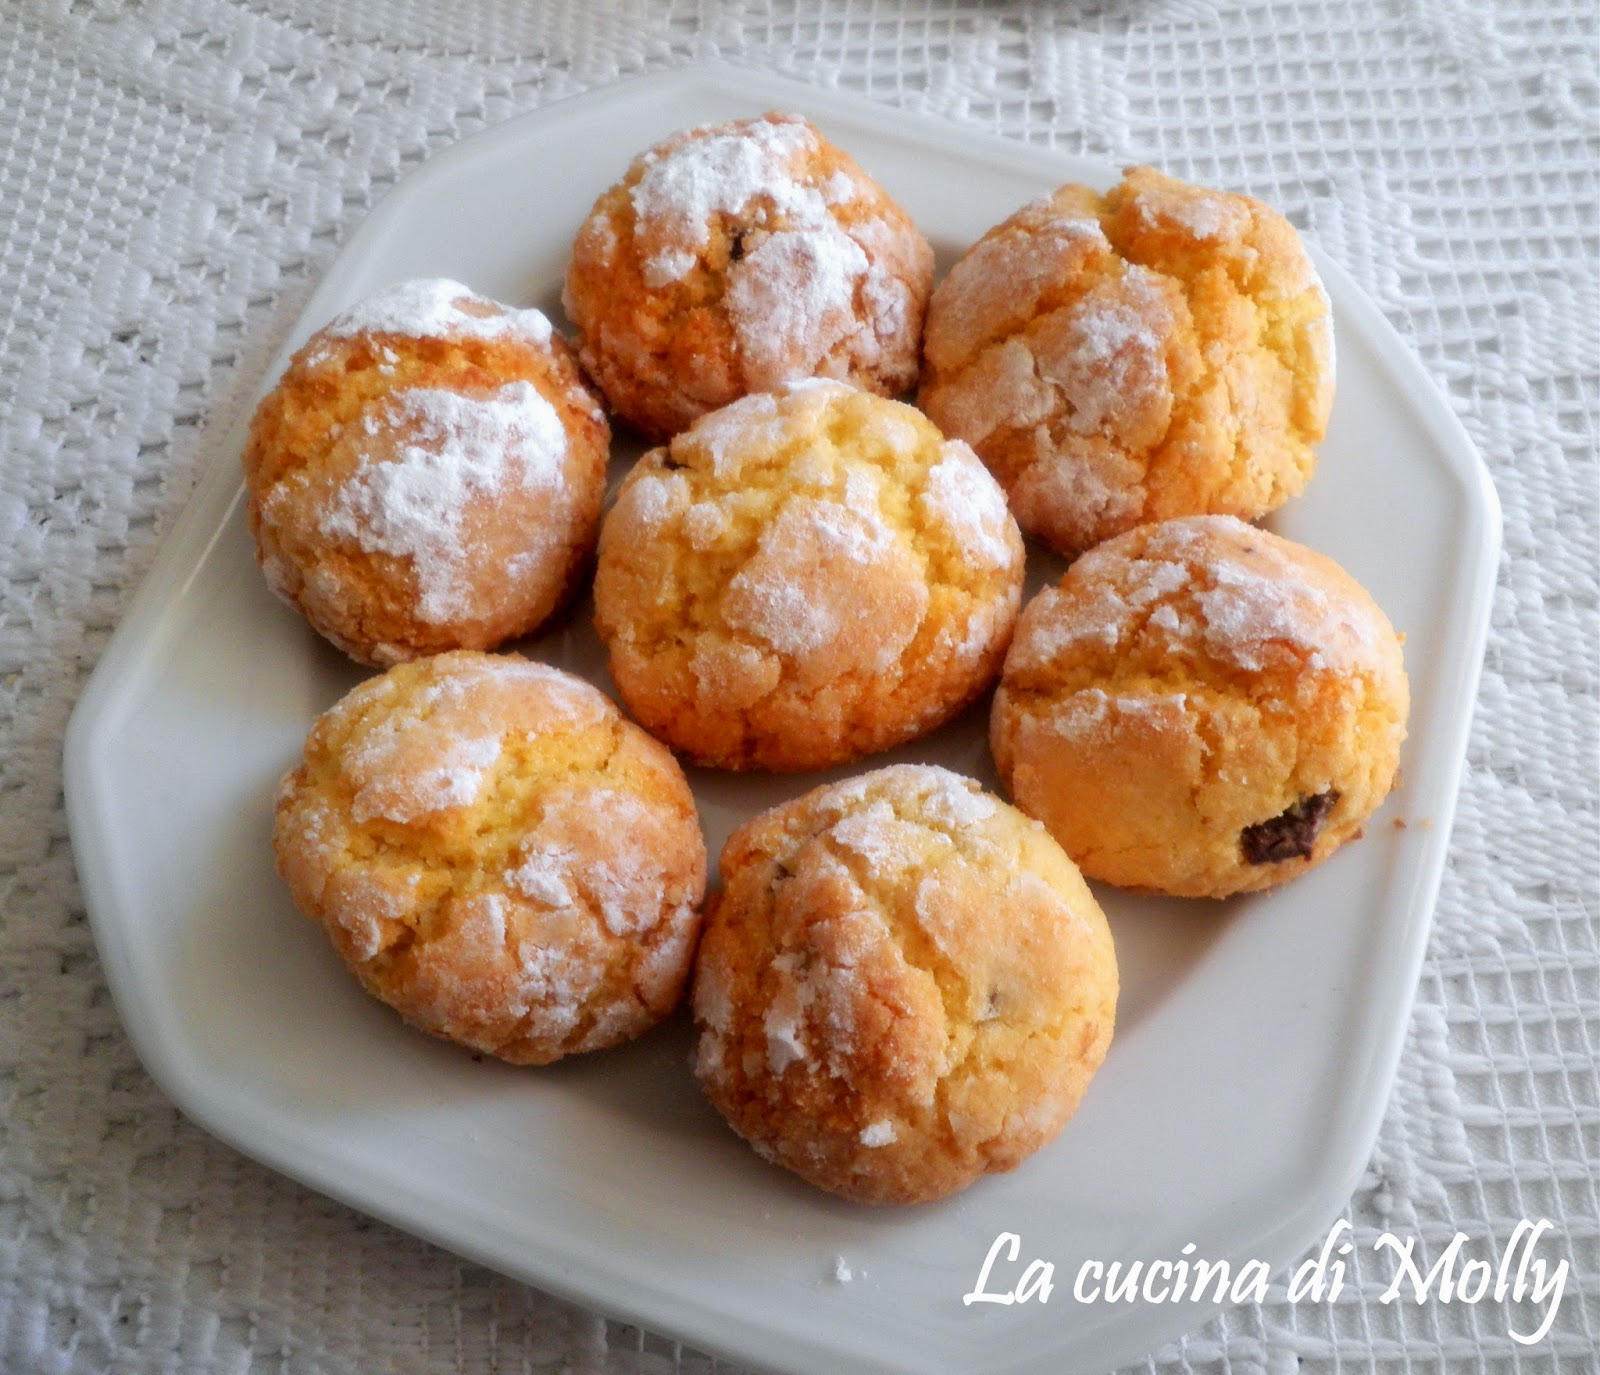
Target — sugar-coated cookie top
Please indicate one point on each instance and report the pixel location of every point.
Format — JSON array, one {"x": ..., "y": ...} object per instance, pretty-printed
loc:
[
  {"x": 734, "y": 257},
  {"x": 688, "y": 183},
  {"x": 1207, "y": 587},
  {"x": 856, "y": 845},
  {"x": 799, "y": 282},
  {"x": 497, "y": 853},
  {"x": 1201, "y": 708},
  {"x": 427, "y": 474},
  {"x": 437, "y": 308},
  {"x": 907, "y": 983},
  {"x": 805, "y": 576},
  {"x": 426, "y": 742},
  {"x": 817, "y": 518},
  {"x": 429, "y": 453},
  {"x": 1160, "y": 350}
]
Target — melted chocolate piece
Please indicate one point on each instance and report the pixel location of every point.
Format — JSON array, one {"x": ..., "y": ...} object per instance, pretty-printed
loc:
[{"x": 1290, "y": 834}]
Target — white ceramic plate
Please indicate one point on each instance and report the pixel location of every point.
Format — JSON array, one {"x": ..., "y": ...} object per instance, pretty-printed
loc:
[{"x": 1257, "y": 1039}]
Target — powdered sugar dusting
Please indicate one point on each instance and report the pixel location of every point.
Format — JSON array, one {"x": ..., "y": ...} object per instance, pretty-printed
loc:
[
  {"x": 438, "y": 308},
  {"x": 998, "y": 283},
  {"x": 941, "y": 904},
  {"x": 957, "y": 802},
  {"x": 543, "y": 874},
  {"x": 1166, "y": 618},
  {"x": 668, "y": 266},
  {"x": 653, "y": 499},
  {"x": 884, "y": 841},
  {"x": 791, "y": 292},
  {"x": 863, "y": 489},
  {"x": 1091, "y": 712},
  {"x": 948, "y": 798},
  {"x": 367, "y": 904},
  {"x": 792, "y": 300},
  {"x": 564, "y": 698},
  {"x": 431, "y": 453},
  {"x": 1158, "y": 578},
  {"x": 1001, "y": 389},
  {"x": 1202, "y": 214},
  {"x": 404, "y": 770},
  {"x": 705, "y": 523},
  {"x": 1081, "y": 488},
  {"x": 627, "y": 881},
  {"x": 749, "y": 426},
  {"x": 984, "y": 625},
  {"x": 557, "y": 981},
  {"x": 779, "y": 598},
  {"x": 880, "y": 1133},
  {"x": 1244, "y": 612},
  {"x": 713, "y": 174},
  {"x": 963, "y": 496},
  {"x": 1255, "y": 596},
  {"x": 810, "y": 1016},
  {"x": 784, "y": 1016},
  {"x": 713, "y": 1004},
  {"x": 603, "y": 849},
  {"x": 1056, "y": 622},
  {"x": 1114, "y": 363},
  {"x": 839, "y": 188},
  {"x": 1212, "y": 583}
]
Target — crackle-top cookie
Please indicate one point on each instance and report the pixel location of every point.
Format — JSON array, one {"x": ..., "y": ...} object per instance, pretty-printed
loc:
[
  {"x": 903, "y": 985},
  {"x": 428, "y": 474},
  {"x": 497, "y": 854},
  {"x": 1201, "y": 708},
  {"x": 733, "y": 257},
  {"x": 803, "y": 578},
  {"x": 1162, "y": 350}
]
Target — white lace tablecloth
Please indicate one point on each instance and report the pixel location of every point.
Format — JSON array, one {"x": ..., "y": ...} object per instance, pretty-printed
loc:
[{"x": 174, "y": 174}]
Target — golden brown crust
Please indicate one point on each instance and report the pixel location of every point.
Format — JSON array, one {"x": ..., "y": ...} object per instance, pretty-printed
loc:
[
  {"x": 412, "y": 492},
  {"x": 498, "y": 855},
  {"x": 1201, "y": 708},
  {"x": 732, "y": 258},
  {"x": 804, "y": 578},
  {"x": 1163, "y": 350},
  {"x": 904, "y": 985}
]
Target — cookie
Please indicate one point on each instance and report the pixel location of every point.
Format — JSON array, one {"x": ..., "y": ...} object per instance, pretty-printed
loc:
[
  {"x": 428, "y": 474},
  {"x": 1163, "y": 350},
  {"x": 1201, "y": 708},
  {"x": 804, "y": 578},
  {"x": 734, "y": 257},
  {"x": 498, "y": 855},
  {"x": 903, "y": 985}
]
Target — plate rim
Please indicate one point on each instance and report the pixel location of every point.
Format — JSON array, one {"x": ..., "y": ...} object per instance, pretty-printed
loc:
[{"x": 211, "y": 507}]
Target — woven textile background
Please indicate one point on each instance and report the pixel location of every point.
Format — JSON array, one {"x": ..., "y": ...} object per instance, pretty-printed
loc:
[{"x": 174, "y": 174}]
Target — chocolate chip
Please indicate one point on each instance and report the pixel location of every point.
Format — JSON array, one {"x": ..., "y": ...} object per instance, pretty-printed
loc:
[
  {"x": 1290, "y": 834},
  {"x": 736, "y": 248}
]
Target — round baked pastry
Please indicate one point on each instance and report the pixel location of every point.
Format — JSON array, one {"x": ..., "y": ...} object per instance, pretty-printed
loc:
[
  {"x": 903, "y": 985},
  {"x": 1162, "y": 350},
  {"x": 732, "y": 258},
  {"x": 1201, "y": 708},
  {"x": 803, "y": 578},
  {"x": 427, "y": 475},
  {"x": 498, "y": 855}
]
